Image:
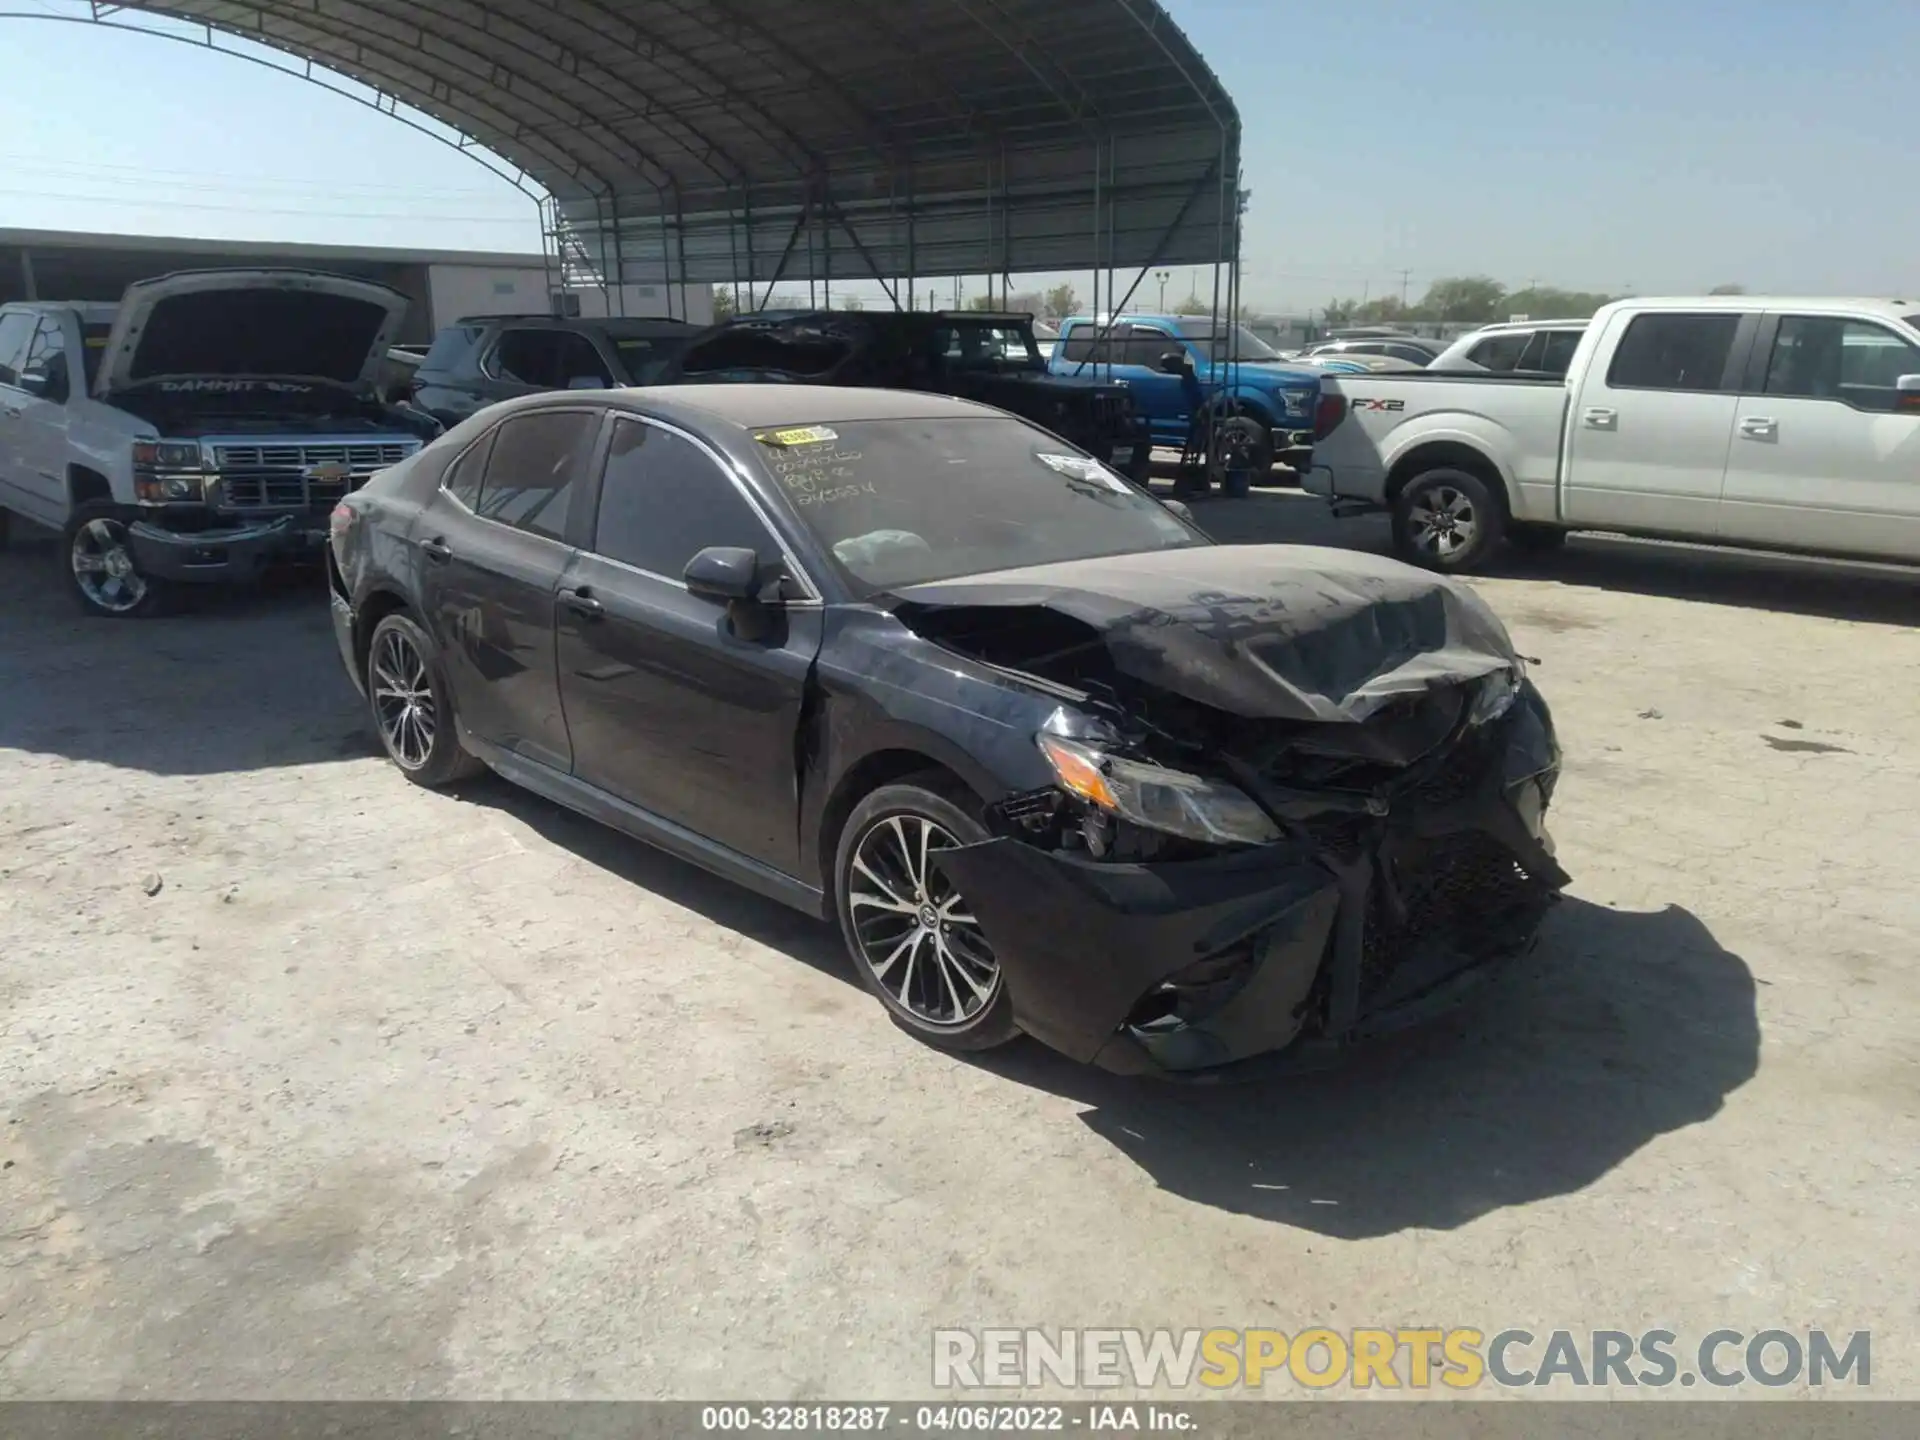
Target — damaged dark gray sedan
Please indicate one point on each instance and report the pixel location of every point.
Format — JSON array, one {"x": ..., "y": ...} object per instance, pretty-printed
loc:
[{"x": 1056, "y": 762}]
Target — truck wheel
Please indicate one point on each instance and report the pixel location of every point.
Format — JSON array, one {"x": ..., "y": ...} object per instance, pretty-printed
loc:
[
  {"x": 98, "y": 556},
  {"x": 1240, "y": 454},
  {"x": 1447, "y": 519}
]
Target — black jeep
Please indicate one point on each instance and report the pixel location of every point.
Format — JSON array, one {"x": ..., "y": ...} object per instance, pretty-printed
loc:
[{"x": 988, "y": 356}]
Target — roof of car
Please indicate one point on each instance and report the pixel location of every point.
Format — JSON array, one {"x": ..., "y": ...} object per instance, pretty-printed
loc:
[
  {"x": 750, "y": 406},
  {"x": 611, "y": 324}
]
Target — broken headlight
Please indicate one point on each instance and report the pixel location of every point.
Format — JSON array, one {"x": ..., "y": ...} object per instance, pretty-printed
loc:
[
  {"x": 1494, "y": 696},
  {"x": 1169, "y": 801}
]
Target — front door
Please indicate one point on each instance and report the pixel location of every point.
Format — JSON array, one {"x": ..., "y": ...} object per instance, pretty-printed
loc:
[
  {"x": 492, "y": 548},
  {"x": 668, "y": 707},
  {"x": 1651, "y": 424},
  {"x": 1822, "y": 457},
  {"x": 1168, "y": 400},
  {"x": 52, "y": 370}
]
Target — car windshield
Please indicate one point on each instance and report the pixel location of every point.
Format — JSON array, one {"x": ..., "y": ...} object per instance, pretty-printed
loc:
[
  {"x": 646, "y": 359},
  {"x": 1249, "y": 345},
  {"x": 899, "y": 502}
]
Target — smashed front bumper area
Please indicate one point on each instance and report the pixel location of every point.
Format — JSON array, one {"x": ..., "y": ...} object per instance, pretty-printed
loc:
[
  {"x": 1370, "y": 914},
  {"x": 224, "y": 548}
]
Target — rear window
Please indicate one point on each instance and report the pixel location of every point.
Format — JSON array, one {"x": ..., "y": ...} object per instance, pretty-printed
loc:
[
  {"x": 1499, "y": 352},
  {"x": 1673, "y": 352},
  {"x": 449, "y": 346}
]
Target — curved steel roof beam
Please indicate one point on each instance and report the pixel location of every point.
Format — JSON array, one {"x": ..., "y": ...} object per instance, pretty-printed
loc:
[
  {"x": 383, "y": 102},
  {"x": 879, "y": 138},
  {"x": 928, "y": 71},
  {"x": 1023, "y": 47},
  {"x": 621, "y": 94},
  {"x": 775, "y": 130},
  {"x": 525, "y": 94}
]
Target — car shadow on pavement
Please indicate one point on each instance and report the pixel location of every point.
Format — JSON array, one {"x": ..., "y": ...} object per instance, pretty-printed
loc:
[
  {"x": 1620, "y": 1028},
  {"x": 680, "y": 882}
]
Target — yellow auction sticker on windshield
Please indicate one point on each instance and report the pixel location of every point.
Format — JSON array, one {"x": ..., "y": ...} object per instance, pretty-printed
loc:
[{"x": 799, "y": 435}]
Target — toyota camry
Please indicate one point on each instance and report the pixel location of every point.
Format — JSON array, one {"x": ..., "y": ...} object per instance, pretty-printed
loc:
[{"x": 1052, "y": 760}]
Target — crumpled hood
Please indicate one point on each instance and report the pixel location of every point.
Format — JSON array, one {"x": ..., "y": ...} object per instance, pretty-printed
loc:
[
  {"x": 205, "y": 328},
  {"x": 1293, "y": 632}
]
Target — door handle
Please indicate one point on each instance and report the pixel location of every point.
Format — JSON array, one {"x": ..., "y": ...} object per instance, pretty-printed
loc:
[
  {"x": 1759, "y": 427},
  {"x": 1597, "y": 418},
  {"x": 437, "y": 550},
  {"x": 582, "y": 603}
]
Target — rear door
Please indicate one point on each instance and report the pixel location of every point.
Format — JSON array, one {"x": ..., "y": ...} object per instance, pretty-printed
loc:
[
  {"x": 1650, "y": 428},
  {"x": 493, "y": 546},
  {"x": 1821, "y": 460},
  {"x": 669, "y": 709}
]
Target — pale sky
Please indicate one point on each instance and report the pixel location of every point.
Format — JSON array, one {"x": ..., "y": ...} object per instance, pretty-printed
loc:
[{"x": 1651, "y": 145}]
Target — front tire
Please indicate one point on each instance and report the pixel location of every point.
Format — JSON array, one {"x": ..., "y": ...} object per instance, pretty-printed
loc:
[
  {"x": 101, "y": 570},
  {"x": 912, "y": 935},
  {"x": 1447, "y": 519},
  {"x": 413, "y": 705},
  {"x": 1240, "y": 454}
]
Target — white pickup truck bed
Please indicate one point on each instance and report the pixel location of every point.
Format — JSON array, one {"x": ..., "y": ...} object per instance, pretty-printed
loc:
[{"x": 1774, "y": 424}]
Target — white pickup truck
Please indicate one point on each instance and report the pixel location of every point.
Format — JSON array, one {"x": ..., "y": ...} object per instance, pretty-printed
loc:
[
  {"x": 1739, "y": 420},
  {"x": 198, "y": 431}
]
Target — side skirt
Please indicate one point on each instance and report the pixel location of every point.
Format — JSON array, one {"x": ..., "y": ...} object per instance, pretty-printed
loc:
[{"x": 644, "y": 825}]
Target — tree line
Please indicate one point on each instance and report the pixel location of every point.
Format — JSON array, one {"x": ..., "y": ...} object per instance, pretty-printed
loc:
[{"x": 1480, "y": 300}]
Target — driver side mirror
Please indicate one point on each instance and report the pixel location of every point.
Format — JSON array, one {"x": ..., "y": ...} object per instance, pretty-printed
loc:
[
  {"x": 1176, "y": 362},
  {"x": 1906, "y": 394},
  {"x": 723, "y": 572},
  {"x": 732, "y": 575}
]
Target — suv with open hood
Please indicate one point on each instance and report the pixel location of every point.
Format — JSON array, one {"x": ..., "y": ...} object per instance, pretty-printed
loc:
[{"x": 201, "y": 430}]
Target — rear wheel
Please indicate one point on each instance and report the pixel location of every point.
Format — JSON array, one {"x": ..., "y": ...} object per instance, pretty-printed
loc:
[
  {"x": 1447, "y": 519},
  {"x": 99, "y": 559},
  {"x": 913, "y": 936},
  {"x": 413, "y": 706}
]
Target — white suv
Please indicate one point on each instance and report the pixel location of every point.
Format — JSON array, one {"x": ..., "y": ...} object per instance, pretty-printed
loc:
[{"x": 1526, "y": 347}]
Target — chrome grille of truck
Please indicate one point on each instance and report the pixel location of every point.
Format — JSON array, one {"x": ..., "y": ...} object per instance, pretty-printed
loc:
[{"x": 279, "y": 476}]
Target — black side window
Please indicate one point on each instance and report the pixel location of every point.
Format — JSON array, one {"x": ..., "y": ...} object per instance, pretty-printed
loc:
[
  {"x": 1673, "y": 352},
  {"x": 1827, "y": 358},
  {"x": 1081, "y": 345},
  {"x": 16, "y": 333},
  {"x": 462, "y": 480},
  {"x": 579, "y": 362},
  {"x": 1535, "y": 355},
  {"x": 1145, "y": 347},
  {"x": 530, "y": 356},
  {"x": 1500, "y": 352},
  {"x": 47, "y": 356},
  {"x": 664, "y": 500},
  {"x": 531, "y": 473},
  {"x": 1560, "y": 347},
  {"x": 450, "y": 346}
]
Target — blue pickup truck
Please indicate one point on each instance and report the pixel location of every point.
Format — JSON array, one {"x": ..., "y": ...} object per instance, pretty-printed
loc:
[{"x": 1178, "y": 368}]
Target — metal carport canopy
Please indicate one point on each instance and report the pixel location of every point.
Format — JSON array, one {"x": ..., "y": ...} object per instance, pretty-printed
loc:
[{"x": 708, "y": 141}]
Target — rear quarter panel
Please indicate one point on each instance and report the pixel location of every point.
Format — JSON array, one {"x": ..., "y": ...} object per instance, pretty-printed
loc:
[{"x": 1514, "y": 425}]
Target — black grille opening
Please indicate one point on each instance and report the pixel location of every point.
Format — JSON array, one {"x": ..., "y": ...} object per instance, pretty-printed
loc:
[{"x": 1462, "y": 895}]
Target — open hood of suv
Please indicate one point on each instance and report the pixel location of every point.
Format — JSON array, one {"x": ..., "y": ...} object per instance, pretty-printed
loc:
[{"x": 214, "y": 327}]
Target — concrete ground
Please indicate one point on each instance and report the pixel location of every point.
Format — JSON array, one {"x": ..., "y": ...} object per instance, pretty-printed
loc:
[{"x": 382, "y": 1093}]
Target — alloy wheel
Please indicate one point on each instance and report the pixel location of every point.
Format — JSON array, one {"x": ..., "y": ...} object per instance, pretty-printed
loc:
[
  {"x": 403, "y": 700},
  {"x": 1442, "y": 521},
  {"x": 914, "y": 930},
  {"x": 103, "y": 567}
]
